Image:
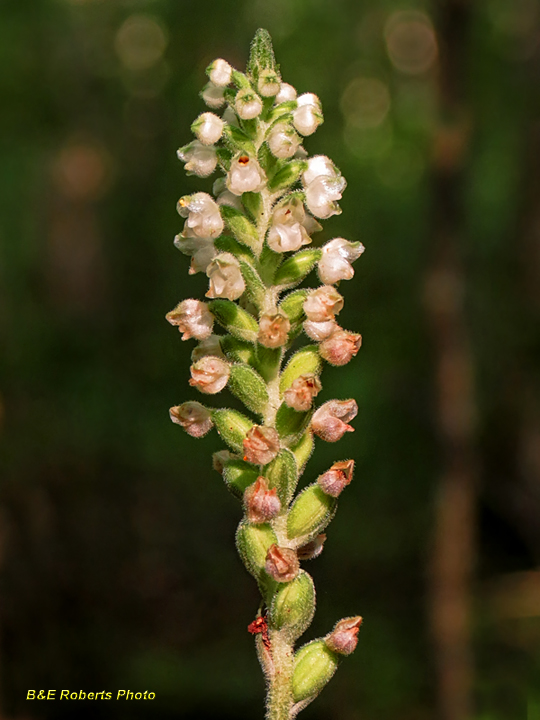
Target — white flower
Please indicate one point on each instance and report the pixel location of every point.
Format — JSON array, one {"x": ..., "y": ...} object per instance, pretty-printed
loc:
[
  {"x": 219, "y": 72},
  {"x": 209, "y": 346},
  {"x": 200, "y": 159},
  {"x": 320, "y": 330},
  {"x": 323, "y": 304},
  {"x": 337, "y": 256},
  {"x": 273, "y": 330},
  {"x": 201, "y": 250},
  {"x": 193, "y": 318},
  {"x": 210, "y": 374},
  {"x": 308, "y": 116},
  {"x": 268, "y": 83},
  {"x": 319, "y": 165},
  {"x": 321, "y": 194},
  {"x": 245, "y": 175},
  {"x": 283, "y": 141},
  {"x": 208, "y": 128},
  {"x": 226, "y": 280},
  {"x": 213, "y": 95},
  {"x": 248, "y": 104},
  {"x": 203, "y": 216},
  {"x": 193, "y": 417},
  {"x": 286, "y": 93},
  {"x": 288, "y": 231}
]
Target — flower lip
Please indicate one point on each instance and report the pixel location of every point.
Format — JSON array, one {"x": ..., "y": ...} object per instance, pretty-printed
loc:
[{"x": 243, "y": 159}]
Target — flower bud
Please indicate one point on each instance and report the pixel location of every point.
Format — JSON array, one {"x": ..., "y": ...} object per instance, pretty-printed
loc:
[
  {"x": 245, "y": 175},
  {"x": 330, "y": 421},
  {"x": 201, "y": 250},
  {"x": 209, "y": 375},
  {"x": 248, "y": 104},
  {"x": 310, "y": 513},
  {"x": 337, "y": 256},
  {"x": 261, "y": 503},
  {"x": 226, "y": 280},
  {"x": 253, "y": 543},
  {"x": 219, "y": 72},
  {"x": 286, "y": 93},
  {"x": 232, "y": 426},
  {"x": 308, "y": 116},
  {"x": 210, "y": 346},
  {"x": 193, "y": 417},
  {"x": 213, "y": 95},
  {"x": 344, "y": 637},
  {"x": 208, "y": 128},
  {"x": 273, "y": 330},
  {"x": 268, "y": 83},
  {"x": 313, "y": 549},
  {"x": 320, "y": 330},
  {"x": 323, "y": 304},
  {"x": 201, "y": 160},
  {"x": 293, "y": 606},
  {"x": 283, "y": 141},
  {"x": 220, "y": 460},
  {"x": 314, "y": 665},
  {"x": 261, "y": 445},
  {"x": 321, "y": 194},
  {"x": 334, "y": 481},
  {"x": 340, "y": 347},
  {"x": 301, "y": 393},
  {"x": 203, "y": 216},
  {"x": 281, "y": 564},
  {"x": 192, "y": 318}
]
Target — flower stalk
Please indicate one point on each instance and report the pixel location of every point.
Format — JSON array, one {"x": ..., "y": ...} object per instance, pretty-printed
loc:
[{"x": 253, "y": 240}]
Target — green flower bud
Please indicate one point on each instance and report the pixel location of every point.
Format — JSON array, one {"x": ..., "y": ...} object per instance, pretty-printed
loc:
[
  {"x": 310, "y": 513},
  {"x": 249, "y": 387},
  {"x": 233, "y": 427},
  {"x": 234, "y": 319},
  {"x": 287, "y": 175},
  {"x": 314, "y": 665},
  {"x": 295, "y": 268},
  {"x": 302, "y": 449},
  {"x": 261, "y": 56},
  {"x": 238, "y": 475},
  {"x": 244, "y": 231},
  {"x": 282, "y": 474},
  {"x": 293, "y": 606},
  {"x": 253, "y": 543},
  {"x": 305, "y": 361}
]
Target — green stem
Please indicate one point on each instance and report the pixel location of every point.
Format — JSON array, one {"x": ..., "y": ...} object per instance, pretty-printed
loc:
[{"x": 280, "y": 698}]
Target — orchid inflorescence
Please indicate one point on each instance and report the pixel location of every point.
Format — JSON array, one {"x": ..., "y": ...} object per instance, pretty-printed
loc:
[{"x": 267, "y": 205}]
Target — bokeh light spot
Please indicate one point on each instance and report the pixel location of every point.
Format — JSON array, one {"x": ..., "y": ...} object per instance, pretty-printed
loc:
[
  {"x": 81, "y": 171},
  {"x": 365, "y": 102},
  {"x": 140, "y": 42},
  {"x": 411, "y": 42}
]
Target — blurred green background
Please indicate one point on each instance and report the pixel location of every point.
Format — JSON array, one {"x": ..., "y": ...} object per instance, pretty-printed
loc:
[{"x": 117, "y": 560}]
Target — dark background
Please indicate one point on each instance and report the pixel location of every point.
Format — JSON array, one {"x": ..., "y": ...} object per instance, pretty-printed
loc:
[{"x": 118, "y": 567}]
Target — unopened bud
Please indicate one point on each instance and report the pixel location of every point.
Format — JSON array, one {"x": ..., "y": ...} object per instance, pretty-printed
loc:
[
  {"x": 273, "y": 330},
  {"x": 213, "y": 95},
  {"x": 210, "y": 375},
  {"x": 323, "y": 304},
  {"x": 337, "y": 256},
  {"x": 310, "y": 513},
  {"x": 286, "y": 93},
  {"x": 320, "y": 330},
  {"x": 281, "y": 564},
  {"x": 192, "y": 318},
  {"x": 268, "y": 83},
  {"x": 193, "y": 417},
  {"x": 261, "y": 503},
  {"x": 248, "y": 104},
  {"x": 283, "y": 141},
  {"x": 253, "y": 542},
  {"x": 208, "y": 128},
  {"x": 203, "y": 215},
  {"x": 314, "y": 665},
  {"x": 293, "y": 606},
  {"x": 333, "y": 481},
  {"x": 219, "y": 72},
  {"x": 344, "y": 637},
  {"x": 340, "y": 347},
  {"x": 232, "y": 426},
  {"x": 245, "y": 175},
  {"x": 330, "y": 421},
  {"x": 313, "y": 549},
  {"x": 301, "y": 393},
  {"x": 200, "y": 160},
  {"x": 226, "y": 280},
  {"x": 261, "y": 445}
]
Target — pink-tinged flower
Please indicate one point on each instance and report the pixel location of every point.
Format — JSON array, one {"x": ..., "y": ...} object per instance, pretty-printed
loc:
[
  {"x": 337, "y": 256},
  {"x": 335, "y": 480},
  {"x": 313, "y": 549},
  {"x": 203, "y": 216},
  {"x": 322, "y": 193},
  {"x": 340, "y": 347},
  {"x": 213, "y": 95},
  {"x": 330, "y": 421},
  {"x": 273, "y": 330},
  {"x": 301, "y": 393},
  {"x": 323, "y": 304},
  {"x": 319, "y": 165},
  {"x": 210, "y": 374},
  {"x": 261, "y": 445},
  {"x": 226, "y": 280},
  {"x": 193, "y": 417},
  {"x": 245, "y": 175},
  {"x": 286, "y": 93},
  {"x": 208, "y": 128},
  {"x": 344, "y": 637},
  {"x": 261, "y": 503},
  {"x": 210, "y": 346},
  {"x": 281, "y": 564},
  {"x": 308, "y": 115},
  {"x": 320, "y": 330},
  {"x": 221, "y": 458},
  {"x": 283, "y": 141},
  {"x": 248, "y": 104},
  {"x": 290, "y": 227},
  {"x": 219, "y": 72},
  {"x": 201, "y": 160},
  {"x": 193, "y": 318}
]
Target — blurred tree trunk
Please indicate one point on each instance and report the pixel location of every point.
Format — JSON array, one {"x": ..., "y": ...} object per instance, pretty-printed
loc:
[{"x": 454, "y": 543}]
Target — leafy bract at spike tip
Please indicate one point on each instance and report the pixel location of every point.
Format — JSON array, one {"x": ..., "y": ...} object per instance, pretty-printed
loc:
[{"x": 261, "y": 56}]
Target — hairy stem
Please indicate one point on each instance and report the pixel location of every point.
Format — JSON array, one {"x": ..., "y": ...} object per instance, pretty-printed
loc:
[{"x": 280, "y": 699}]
